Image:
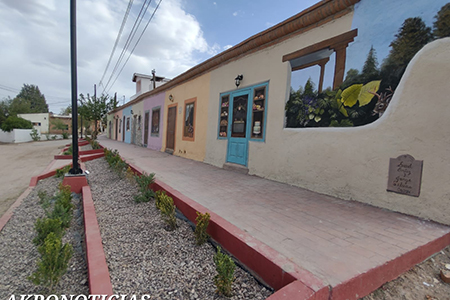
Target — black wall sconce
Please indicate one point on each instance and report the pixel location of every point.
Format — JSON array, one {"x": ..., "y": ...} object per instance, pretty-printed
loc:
[
  {"x": 238, "y": 80},
  {"x": 131, "y": 111},
  {"x": 171, "y": 98}
]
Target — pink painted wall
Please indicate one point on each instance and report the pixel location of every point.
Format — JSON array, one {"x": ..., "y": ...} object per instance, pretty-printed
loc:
[{"x": 150, "y": 103}]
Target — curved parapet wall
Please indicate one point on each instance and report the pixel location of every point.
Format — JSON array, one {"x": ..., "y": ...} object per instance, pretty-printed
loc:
[{"x": 353, "y": 163}]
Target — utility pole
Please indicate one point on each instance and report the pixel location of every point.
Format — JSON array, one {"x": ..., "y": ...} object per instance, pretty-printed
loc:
[{"x": 73, "y": 59}]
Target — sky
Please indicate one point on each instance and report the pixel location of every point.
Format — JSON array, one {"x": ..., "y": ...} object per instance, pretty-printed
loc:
[{"x": 35, "y": 40}]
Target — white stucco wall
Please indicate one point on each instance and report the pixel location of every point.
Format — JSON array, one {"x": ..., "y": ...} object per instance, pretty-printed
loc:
[
  {"x": 16, "y": 136},
  {"x": 42, "y": 118},
  {"x": 350, "y": 163}
]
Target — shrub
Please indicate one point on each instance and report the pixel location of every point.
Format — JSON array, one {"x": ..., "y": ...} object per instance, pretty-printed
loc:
[
  {"x": 63, "y": 208},
  {"x": 53, "y": 137},
  {"x": 225, "y": 273},
  {"x": 159, "y": 195},
  {"x": 65, "y": 135},
  {"x": 167, "y": 209},
  {"x": 44, "y": 227},
  {"x": 94, "y": 144},
  {"x": 115, "y": 161},
  {"x": 35, "y": 135},
  {"x": 44, "y": 200},
  {"x": 69, "y": 150},
  {"x": 14, "y": 122},
  {"x": 53, "y": 262},
  {"x": 62, "y": 171},
  {"x": 202, "y": 221},
  {"x": 144, "y": 181}
]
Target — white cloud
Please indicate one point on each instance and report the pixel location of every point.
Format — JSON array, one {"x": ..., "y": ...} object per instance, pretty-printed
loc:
[
  {"x": 35, "y": 40},
  {"x": 226, "y": 47},
  {"x": 235, "y": 14}
]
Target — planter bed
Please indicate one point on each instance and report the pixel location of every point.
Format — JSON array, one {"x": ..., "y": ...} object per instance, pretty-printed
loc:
[
  {"x": 143, "y": 257},
  {"x": 19, "y": 256}
]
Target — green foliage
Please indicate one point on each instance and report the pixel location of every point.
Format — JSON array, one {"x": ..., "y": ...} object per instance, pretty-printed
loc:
[
  {"x": 44, "y": 227},
  {"x": 63, "y": 207},
  {"x": 44, "y": 199},
  {"x": 412, "y": 36},
  {"x": 35, "y": 135},
  {"x": 65, "y": 135},
  {"x": 19, "y": 106},
  {"x": 165, "y": 204},
  {"x": 225, "y": 273},
  {"x": 115, "y": 161},
  {"x": 95, "y": 109},
  {"x": 202, "y": 222},
  {"x": 63, "y": 171},
  {"x": 14, "y": 122},
  {"x": 58, "y": 124},
  {"x": 94, "y": 144},
  {"x": 69, "y": 151},
  {"x": 442, "y": 24},
  {"x": 31, "y": 94},
  {"x": 146, "y": 193},
  {"x": 158, "y": 196},
  {"x": 53, "y": 263}
]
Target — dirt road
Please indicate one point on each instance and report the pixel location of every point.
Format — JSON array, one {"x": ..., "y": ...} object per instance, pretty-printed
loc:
[{"x": 20, "y": 162}]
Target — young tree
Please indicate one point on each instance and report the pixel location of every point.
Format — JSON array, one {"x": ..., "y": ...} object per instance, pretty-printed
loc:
[
  {"x": 31, "y": 93},
  {"x": 4, "y": 109},
  {"x": 94, "y": 109},
  {"x": 442, "y": 24},
  {"x": 66, "y": 111}
]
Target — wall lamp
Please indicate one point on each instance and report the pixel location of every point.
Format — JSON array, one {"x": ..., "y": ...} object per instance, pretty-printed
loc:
[
  {"x": 171, "y": 98},
  {"x": 238, "y": 80},
  {"x": 131, "y": 111}
]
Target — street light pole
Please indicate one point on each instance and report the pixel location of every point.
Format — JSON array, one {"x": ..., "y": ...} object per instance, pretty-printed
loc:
[{"x": 73, "y": 61}]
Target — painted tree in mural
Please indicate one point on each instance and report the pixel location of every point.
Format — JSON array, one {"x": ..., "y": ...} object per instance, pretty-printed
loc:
[
  {"x": 370, "y": 69},
  {"x": 412, "y": 36},
  {"x": 442, "y": 24}
]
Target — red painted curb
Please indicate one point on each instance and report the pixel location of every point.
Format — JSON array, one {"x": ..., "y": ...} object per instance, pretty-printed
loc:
[
  {"x": 366, "y": 283},
  {"x": 98, "y": 274},
  {"x": 91, "y": 157},
  {"x": 62, "y": 157},
  {"x": 264, "y": 261}
]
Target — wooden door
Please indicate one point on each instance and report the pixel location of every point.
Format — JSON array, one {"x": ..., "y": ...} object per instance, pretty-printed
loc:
[
  {"x": 146, "y": 124},
  {"x": 171, "y": 125},
  {"x": 117, "y": 128},
  {"x": 238, "y": 132}
]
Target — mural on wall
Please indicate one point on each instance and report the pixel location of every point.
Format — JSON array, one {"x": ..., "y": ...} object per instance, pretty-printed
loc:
[{"x": 391, "y": 37}]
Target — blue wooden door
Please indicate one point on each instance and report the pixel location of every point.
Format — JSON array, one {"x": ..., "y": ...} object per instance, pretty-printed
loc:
[{"x": 238, "y": 133}]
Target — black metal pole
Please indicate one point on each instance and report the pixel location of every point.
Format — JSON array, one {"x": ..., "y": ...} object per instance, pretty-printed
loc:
[{"x": 73, "y": 60}]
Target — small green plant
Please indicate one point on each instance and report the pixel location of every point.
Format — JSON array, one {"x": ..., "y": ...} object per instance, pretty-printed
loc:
[
  {"x": 35, "y": 135},
  {"x": 65, "y": 135},
  {"x": 69, "y": 151},
  {"x": 129, "y": 174},
  {"x": 202, "y": 221},
  {"x": 62, "y": 171},
  {"x": 63, "y": 207},
  {"x": 44, "y": 227},
  {"x": 167, "y": 209},
  {"x": 159, "y": 195},
  {"x": 225, "y": 273},
  {"x": 94, "y": 144},
  {"x": 44, "y": 199},
  {"x": 144, "y": 181},
  {"x": 53, "y": 137},
  {"x": 115, "y": 162},
  {"x": 53, "y": 262}
]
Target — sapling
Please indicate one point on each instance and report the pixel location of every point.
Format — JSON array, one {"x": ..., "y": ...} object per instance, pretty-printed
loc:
[
  {"x": 225, "y": 273},
  {"x": 146, "y": 193},
  {"x": 202, "y": 221}
]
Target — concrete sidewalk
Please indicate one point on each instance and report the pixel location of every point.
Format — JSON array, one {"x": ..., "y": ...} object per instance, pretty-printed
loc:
[{"x": 335, "y": 240}]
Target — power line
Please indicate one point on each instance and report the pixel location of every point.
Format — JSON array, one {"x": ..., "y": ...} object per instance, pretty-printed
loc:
[
  {"x": 129, "y": 39},
  {"x": 137, "y": 42},
  {"x": 125, "y": 17}
]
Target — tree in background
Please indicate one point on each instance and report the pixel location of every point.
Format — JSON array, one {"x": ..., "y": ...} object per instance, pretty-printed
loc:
[
  {"x": 412, "y": 36},
  {"x": 4, "y": 109},
  {"x": 14, "y": 122},
  {"x": 31, "y": 94},
  {"x": 19, "y": 106},
  {"x": 442, "y": 24},
  {"x": 370, "y": 69},
  {"x": 95, "y": 109},
  {"x": 66, "y": 111}
]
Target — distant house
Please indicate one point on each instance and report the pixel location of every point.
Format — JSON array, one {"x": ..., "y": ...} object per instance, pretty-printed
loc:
[
  {"x": 44, "y": 122},
  {"x": 40, "y": 121}
]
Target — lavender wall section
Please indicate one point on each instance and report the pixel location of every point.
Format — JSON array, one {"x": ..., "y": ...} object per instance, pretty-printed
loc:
[{"x": 154, "y": 142}]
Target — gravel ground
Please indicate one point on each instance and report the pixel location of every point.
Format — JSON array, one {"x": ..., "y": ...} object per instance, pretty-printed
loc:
[
  {"x": 85, "y": 147},
  {"x": 144, "y": 258},
  {"x": 18, "y": 255}
]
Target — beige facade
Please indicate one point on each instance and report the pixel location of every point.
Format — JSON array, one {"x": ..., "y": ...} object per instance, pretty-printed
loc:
[{"x": 195, "y": 90}]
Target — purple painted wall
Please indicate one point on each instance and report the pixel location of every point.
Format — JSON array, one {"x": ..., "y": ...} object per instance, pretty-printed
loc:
[{"x": 151, "y": 103}]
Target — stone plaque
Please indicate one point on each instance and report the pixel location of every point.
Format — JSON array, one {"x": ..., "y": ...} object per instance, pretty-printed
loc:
[{"x": 405, "y": 175}]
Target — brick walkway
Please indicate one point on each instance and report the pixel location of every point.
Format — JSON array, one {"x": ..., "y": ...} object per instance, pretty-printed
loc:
[{"x": 336, "y": 240}]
